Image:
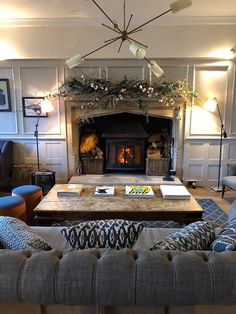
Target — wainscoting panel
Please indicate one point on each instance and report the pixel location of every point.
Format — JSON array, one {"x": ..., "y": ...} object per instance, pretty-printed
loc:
[
  {"x": 209, "y": 81},
  {"x": 92, "y": 71},
  {"x": 117, "y": 73},
  {"x": 40, "y": 82},
  {"x": 6, "y": 116}
]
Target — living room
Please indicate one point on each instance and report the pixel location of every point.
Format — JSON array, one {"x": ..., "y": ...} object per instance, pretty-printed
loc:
[{"x": 195, "y": 46}]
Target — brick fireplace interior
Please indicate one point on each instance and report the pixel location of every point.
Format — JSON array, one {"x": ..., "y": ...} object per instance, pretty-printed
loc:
[{"x": 126, "y": 142}]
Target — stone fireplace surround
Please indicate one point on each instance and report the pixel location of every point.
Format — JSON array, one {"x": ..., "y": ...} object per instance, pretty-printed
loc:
[{"x": 74, "y": 113}]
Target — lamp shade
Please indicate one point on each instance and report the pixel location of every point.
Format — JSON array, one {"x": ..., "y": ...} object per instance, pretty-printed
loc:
[
  {"x": 74, "y": 61},
  {"x": 46, "y": 106},
  {"x": 155, "y": 68},
  {"x": 180, "y": 5},
  {"x": 210, "y": 105},
  {"x": 137, "y": 51}
]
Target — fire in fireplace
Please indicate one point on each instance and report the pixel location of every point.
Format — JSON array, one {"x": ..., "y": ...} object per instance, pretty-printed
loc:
[{"x": 124, "y": 154}]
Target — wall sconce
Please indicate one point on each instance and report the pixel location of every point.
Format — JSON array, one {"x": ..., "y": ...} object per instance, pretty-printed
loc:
[{"x": 211, "y": 105}]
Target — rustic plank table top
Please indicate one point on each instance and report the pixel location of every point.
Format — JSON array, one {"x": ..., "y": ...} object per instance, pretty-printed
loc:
[{"x": 86, "y": 206}]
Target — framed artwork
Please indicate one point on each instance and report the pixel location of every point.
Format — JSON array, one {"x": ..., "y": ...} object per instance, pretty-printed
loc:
[
  {"x": 31, "y": 107},
  {"x": 5, "y": 99}
]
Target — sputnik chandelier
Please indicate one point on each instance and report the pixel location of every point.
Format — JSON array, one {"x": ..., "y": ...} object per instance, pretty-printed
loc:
[{"x": 136, "y": 47}]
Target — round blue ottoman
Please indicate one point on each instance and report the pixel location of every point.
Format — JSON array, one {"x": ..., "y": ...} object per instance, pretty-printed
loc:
[
  {"x": 32, "y": 195},
  {"x": 13, "y": 206}
]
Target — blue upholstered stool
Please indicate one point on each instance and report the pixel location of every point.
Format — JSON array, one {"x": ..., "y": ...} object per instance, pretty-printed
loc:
[
  {"x": 13, "y": 206},
  {"x": 32, "y": 195}
]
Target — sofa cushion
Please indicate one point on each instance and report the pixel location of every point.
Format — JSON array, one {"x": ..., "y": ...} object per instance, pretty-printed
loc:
[
  {"x": 226, "y": 240},
  {"x": 16, "y": 235},
  {"x": 114, "y": 234},
  {"x": 196, "y": 236}
]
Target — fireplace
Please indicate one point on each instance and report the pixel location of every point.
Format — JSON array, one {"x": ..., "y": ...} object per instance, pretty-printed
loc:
[{"x": 126, "y": 142}]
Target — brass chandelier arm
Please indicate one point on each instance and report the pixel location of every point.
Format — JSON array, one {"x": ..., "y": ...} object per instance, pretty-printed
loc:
[
  {"x": 124, "y": 7},
  {"x": 106, "y": 41},
  {"x": 111, "y": 42},
  {"x": 138, "y": 42},
  {"x": 149, "y": 21},
  {"x": 111, "y": 28},
  {"x": 115, "y": 25},
  {"x": 138, "y": 30},
  {"x": 120, "y": 46},
  {"x": 129, "y": 22}
]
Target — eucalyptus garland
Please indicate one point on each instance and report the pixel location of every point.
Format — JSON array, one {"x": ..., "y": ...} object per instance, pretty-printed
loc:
[{"x": 108, "y": 94}]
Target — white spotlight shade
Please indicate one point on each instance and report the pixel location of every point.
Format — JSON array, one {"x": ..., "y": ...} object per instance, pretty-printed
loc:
[
  {"x": 137, "y": 51},
  {"x": 155, "y": 68},
  {"x": 74, "y": 61},
  {"x": 210, "y": 105},
  {"x": 180, "y": 5},
  {"x": 46, "y": 106}
]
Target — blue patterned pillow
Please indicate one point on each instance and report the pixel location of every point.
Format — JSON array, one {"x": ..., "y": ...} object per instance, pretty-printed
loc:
[
  {"x": 115, "y": 234},
  {"x": 226, "y": 240},
  {"x": 196, "y": 236},
  {"x": 16, "y": 235}
]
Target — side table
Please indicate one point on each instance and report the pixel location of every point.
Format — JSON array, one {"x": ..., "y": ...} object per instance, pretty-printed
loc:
[
  {"x": 21, "y": 174},
  {"x": 44, "y": 178}
]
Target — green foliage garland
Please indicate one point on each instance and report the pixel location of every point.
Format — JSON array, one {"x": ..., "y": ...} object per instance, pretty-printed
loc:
[{"x": 108, "y": 94}]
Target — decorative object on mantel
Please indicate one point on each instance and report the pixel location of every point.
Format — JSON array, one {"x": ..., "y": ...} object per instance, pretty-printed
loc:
[
  {"x": 123, "y": 34},
  {"x": 107, "y": 94}
]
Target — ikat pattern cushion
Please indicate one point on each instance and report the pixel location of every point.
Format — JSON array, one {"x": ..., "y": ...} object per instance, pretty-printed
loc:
[
  {"x": 16, "y": 235},
  {"x": 226, "y": 240},
  {"x": 196, "y": 236},
  {"x": 115, "y": 234}
]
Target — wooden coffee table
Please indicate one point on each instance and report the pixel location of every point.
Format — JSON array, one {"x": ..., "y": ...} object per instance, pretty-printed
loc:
[{"x": 86, "y": 206}]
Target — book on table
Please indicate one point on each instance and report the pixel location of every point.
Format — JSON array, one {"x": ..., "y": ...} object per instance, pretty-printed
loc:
[
  {"x": 104, "y": 190},
  {"x": 70, "y": 190},
  {"x": 139, "y": 191},
  {"x": 175, "y": 192}
]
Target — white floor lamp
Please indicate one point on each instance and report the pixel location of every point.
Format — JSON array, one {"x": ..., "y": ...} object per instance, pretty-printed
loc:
[{"x": 211, "y": 105}]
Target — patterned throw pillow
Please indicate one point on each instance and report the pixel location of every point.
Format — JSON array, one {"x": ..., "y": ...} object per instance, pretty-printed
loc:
[
  {"x": 115, "y": 234},
  {"x": 226, "y": 240},
  {"x": 16, "y": 235},
  {"x": 196, "y": 236}
]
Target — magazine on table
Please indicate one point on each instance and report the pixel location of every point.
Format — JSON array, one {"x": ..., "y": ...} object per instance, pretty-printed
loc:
[
  {"x": 104, "y": 190},
  {"x": 139, "y": 191}
]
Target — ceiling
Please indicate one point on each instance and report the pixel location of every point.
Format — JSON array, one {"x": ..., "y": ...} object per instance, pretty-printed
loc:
[{"x": 85, "y": 12}]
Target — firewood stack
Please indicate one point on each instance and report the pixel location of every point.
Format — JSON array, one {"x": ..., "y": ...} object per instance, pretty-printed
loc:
[
  {"x": 159, "y": 145},
  {"x": 89, "y": 146}
]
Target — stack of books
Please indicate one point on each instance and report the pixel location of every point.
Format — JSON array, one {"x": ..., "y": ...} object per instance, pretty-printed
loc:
[
  {"x": 175, "y": 192},
  {"x": 70, "y": 190}
]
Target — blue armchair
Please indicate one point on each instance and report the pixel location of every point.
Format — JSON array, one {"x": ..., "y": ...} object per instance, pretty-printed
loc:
[
  {"x": 230, "y": 179},
  {"x": 6, "y": 162}
]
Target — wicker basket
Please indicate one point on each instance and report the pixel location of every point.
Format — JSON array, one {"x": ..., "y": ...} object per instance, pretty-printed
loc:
[
  {"x": 157, "y": 167},
  {"x": 92, "y": 165}
]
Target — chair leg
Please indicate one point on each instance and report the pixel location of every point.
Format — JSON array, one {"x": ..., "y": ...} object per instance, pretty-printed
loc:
[{"x": 223, "y": 191}]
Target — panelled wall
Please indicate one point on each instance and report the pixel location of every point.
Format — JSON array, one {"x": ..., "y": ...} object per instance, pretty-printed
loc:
[{"x": 200, "y": 149}]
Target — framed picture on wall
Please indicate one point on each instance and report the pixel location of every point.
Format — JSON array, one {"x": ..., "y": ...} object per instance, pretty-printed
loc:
[
  {"x": 31, "y": 106},
  {"x": 5, "y": 99}
]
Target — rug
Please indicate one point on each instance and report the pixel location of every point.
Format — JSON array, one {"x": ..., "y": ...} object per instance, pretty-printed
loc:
[{"x": 212, "y": 212}]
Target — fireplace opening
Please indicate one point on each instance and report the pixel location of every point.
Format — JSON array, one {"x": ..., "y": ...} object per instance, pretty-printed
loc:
[{"x": 126, "y": 142}]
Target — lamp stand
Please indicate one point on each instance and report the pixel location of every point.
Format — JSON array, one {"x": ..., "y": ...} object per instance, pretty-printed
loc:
[
  {"x": 223, "y": 134},
  {"x": 36, "y": 134}
]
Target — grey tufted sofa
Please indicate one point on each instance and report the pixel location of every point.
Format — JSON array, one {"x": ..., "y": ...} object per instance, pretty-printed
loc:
[{"x": 116, "y": 282}]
